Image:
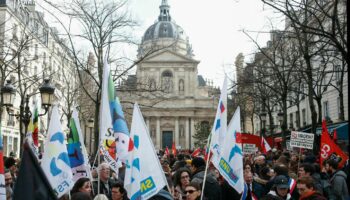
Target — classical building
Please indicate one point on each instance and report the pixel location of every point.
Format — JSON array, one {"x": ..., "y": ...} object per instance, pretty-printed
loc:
[{"x": 172, "y": 96}]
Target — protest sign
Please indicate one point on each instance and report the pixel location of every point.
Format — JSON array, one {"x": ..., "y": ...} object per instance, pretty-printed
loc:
[
  {"x": 302, "y": 140},
  {"x": 249, "y": 148}
]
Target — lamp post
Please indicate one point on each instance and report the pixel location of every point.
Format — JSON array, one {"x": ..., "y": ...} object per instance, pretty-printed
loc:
[
  {"x": 8, "y": 93},
  {"x": 263, "y": 121},
  {"x": 91, "y": 126},
  {"x": 280, "y": 116}
]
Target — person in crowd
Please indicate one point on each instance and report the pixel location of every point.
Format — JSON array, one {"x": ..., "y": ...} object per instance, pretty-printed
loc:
[
  {"x": 259, "y": 162},
  {"x": 105, "y": 181},
  {"x": 280, "y": 189},
  {"x": 118, "y": 192},
  {"x": 10, "y": 163},
  {"x": 283, "y": 160},
  {"x": 179, "y": 163},
  {"x": 308, "y": 170},
  {"x": 193, "y": 191},
  {"x": 251, "y": 186},
  {"x": 337, "y": 180},
  {"x": 82, "y": 185},
  {"x": 8, "y": 184},
  {"x": 81, "y": 196},
  {"x": 260, "y": 181},
  {"x": 307, "y": 190},
  {"x": 182, "y": 179},
  {"x": 212, "y": 190},
  {"x": 248, "y": 167}
]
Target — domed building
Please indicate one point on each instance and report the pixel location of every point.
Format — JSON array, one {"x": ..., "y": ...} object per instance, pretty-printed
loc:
[{"x": 171, "y": 94}]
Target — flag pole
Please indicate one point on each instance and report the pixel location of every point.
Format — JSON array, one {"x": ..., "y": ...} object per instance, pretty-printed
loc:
[{"x": 206, "y": 166}]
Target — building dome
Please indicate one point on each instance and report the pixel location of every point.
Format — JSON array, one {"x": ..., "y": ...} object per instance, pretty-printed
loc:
[
  {"x": 165, "y": 32},
  {"x": 164, "y": 29}
]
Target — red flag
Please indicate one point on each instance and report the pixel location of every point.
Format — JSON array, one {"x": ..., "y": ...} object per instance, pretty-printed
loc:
[
  {"x": 265, "y": 147},
  {"x": 330, "y": 150},
  {"x": 173, "y": 149},
  {"x": 166, "y": 151},
  {"x": 335, "y": 137},
  {"x": 196, "y": 153}
]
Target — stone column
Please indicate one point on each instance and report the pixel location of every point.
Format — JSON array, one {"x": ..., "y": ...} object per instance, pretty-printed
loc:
[
  {"x": 193, "y": 131},
  {"x": 187, "y": 134},
  {"x": 148, "y": 128},
  {"x": 158, "y": 143},
  {"x": 177, "y": 131}
]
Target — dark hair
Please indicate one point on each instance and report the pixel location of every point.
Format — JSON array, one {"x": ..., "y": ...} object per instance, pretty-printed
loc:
[
  {"x": 198, "y": 162},
  {"x": 180, "y": 156},
  {"x": 120, "y": 186},
  {"x": 309, "y": 168},
  {"x": 195, "y": 185},
  {"x": 250, "y": 164},
  {"x": 308, "y": 181},
  {"x": 317, "y": 167},
  {"x": 281, "y": 170},
  {"x": 9, "y": 162},
  {"x": 78, "y": 184},
  {"x": 332, "y": 163},
  {"x": 81, "y": 196},
  {"x": 263, "y": 173},
  {"x": 177, "y": 176}
]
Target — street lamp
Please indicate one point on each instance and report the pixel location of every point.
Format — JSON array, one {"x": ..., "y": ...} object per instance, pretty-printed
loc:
[
  {"x": 263, "y": 120},
  {"x": 8, "y": 93},
  {"x": 90, "y": 124}
]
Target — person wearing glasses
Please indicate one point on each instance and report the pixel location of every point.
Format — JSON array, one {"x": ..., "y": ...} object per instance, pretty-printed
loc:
[
  {"x": 182, "y": 179},
  {"x": 193, "y": 191}
]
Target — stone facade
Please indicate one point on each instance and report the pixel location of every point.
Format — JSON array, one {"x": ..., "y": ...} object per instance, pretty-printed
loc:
[{"x": 172, "y": 96}]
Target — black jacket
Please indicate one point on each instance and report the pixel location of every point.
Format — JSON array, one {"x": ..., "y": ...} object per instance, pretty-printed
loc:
[{"x": 212, "y": 189}]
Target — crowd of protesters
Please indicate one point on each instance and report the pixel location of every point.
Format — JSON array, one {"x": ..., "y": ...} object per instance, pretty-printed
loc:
[{"x": 279, "y": 175}]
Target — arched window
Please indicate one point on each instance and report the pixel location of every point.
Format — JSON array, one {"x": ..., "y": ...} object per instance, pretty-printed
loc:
[{"x": 167, "y": 81}]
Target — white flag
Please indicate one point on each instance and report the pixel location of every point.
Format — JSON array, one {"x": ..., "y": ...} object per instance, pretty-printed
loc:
[
  {"x": 78, "y": 158},
  {"x": 144, "y": 176},
  {"x": 230, "y": 163},
  {"x": 218, "y": 131},
  {"x": 55, "y": 161},
  {"x": 114, "y": 135},
  {"x": 264, "y": 145}
]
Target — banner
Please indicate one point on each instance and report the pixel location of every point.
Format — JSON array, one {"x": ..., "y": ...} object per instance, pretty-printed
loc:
[
  {"x": 302, "y": 140},
  {"x": 114, "y": 135},
  {"x": 144, "y": 176},
  {"x": 329, "y": 149},
  {"x": 55, "y": 161},
  {"x": 230, "y": 163},
  {"x": 78, "y": 158},
  {"x": 218, "y": 132}
]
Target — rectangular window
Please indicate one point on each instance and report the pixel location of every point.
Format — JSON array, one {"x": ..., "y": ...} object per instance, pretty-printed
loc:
[
  {"x": 303, "y": 113},
  {"x": 291, "y": 120},
  {"x": 325, "y": 109}
]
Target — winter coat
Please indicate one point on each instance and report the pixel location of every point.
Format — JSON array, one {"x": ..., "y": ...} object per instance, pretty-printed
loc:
[
  {"x": 212, "y": 189},
  {"x": 339, "y": 185},
  {"x": 259, "y": 187},
  {"x": 317, "y": 182}
]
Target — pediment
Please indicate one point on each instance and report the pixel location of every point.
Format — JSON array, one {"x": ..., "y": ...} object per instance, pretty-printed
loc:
[{"x": 169, "y": 56}]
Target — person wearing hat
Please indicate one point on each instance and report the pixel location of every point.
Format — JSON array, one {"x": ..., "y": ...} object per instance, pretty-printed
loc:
[{"x": 280, "y": 189}]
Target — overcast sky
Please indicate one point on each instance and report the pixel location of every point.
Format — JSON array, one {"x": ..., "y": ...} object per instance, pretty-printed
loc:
[{"x": 214, "y": 29}]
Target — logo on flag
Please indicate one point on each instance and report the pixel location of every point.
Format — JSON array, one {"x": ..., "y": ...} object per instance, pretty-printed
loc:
[
  {"x": 114, "y": 135},
  {"x": 144, "y": 176},
  {"x": 76, "y": 149},
  {"x": 230, "y": 163},
  {"x": 55, "y": 161}
]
